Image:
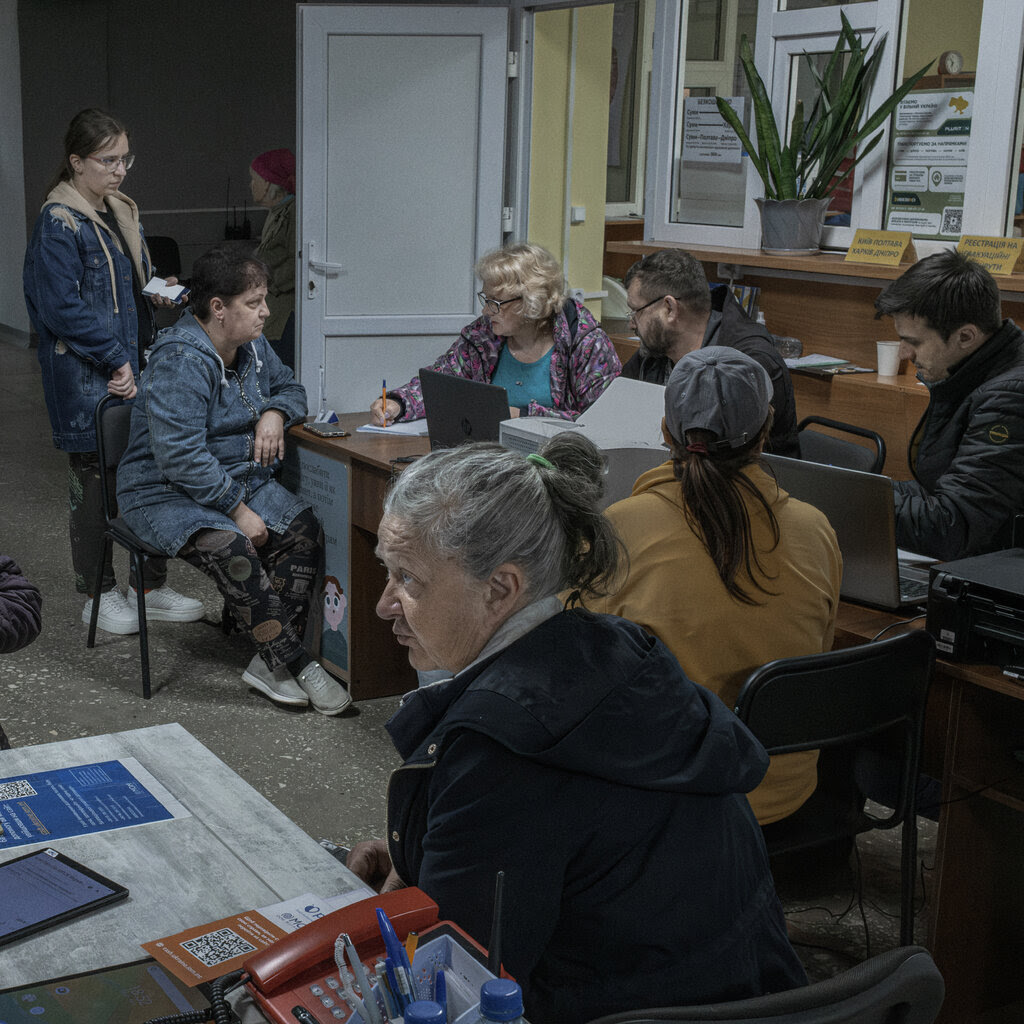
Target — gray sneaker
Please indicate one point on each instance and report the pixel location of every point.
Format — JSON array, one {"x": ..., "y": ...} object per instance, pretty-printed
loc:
[
  {"x": 326, "y": 694},
  {"x": 278, "y": 685}
]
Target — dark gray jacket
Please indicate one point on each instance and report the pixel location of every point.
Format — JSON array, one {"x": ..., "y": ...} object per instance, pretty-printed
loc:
[
  {"x": 610, "y": 789},
  {"x": 729, "y": 325},
  {"x": 967, "y": 456}
]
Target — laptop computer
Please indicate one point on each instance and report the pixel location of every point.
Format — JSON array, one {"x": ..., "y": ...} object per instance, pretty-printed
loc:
[
  {"x": 460, "y": 410},
  {"x": 861, "y": 510}
]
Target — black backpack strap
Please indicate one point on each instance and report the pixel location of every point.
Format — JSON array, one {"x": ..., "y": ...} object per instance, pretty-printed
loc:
[{"x": 572, "y": 316}]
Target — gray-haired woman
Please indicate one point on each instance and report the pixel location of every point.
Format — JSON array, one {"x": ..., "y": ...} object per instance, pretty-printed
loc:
[{"x": 568, "y": 750}]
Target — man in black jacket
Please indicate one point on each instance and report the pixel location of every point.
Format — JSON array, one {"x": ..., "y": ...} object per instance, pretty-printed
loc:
[
  {"x": 967, "y": 453},
  {"x": 674, "y": 312}
]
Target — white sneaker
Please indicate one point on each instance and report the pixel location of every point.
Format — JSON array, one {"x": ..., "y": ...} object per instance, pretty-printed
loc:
[
  {"x": 117, "y": 615},
  {"x": 278, "y": 684},
  {"x": 166, "y": 605},
  {"x": 326, "y": 694}
]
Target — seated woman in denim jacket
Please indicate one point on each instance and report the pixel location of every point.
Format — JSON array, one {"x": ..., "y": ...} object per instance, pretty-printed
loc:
[{"x": 197, "y": 480}]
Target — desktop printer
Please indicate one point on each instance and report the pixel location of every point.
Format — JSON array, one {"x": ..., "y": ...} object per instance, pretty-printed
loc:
[
  {"x": 976, "y": 608},
  {"x": 625, "y": 423}
]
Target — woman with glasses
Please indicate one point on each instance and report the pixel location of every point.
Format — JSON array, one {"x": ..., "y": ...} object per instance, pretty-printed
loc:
[
  {"x": 85, "y": 269},
  {"x": 545, "y": 348}
]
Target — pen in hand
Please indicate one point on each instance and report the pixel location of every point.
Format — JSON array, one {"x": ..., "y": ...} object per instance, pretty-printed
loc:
[{"x": 384, "y": 402}]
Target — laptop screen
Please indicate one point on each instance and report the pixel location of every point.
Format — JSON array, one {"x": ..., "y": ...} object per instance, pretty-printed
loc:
[
  {"x": 460, "y": 410},
  {"x": 861, "y": 509}
]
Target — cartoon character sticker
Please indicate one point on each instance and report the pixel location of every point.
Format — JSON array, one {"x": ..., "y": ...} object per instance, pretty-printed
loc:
[{"x": 333, "y": 644}]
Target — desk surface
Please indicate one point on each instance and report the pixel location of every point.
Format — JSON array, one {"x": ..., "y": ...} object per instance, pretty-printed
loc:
[
  {"x": 236, "y": 852},
  {"x": 378, "y": 450}
]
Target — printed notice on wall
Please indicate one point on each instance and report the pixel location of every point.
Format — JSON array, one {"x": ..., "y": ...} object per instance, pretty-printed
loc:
[
  {"x": 40, "y": 807},
  {"x": 928, "y": 163},
  {"x": 707, "y": 139}
]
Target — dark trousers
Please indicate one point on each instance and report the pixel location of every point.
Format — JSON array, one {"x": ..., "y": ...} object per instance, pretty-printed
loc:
[
  {"x": 85, "y": 491},
  {"x": 267, "y": 590}
]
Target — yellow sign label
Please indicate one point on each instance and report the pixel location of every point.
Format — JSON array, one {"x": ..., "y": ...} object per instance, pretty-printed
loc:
[
  {"x": 882, "y": 248},
  {"x": 1002, "y": 256}
]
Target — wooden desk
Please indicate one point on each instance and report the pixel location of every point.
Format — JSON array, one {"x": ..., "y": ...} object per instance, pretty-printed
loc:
[
  {"x": 976, "y": 932},
  {"x": 377, "y": 665},
  {"x": 235, "y": 852}
]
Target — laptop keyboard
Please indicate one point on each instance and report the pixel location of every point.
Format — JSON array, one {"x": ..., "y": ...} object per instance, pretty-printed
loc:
[{"x": 913, "y": 584}]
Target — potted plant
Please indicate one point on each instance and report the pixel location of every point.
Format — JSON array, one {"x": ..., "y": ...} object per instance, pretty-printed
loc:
[{"x": 801, "y": 175}]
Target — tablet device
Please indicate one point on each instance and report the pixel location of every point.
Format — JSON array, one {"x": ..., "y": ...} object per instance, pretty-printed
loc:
[{"x": 46, "y": 888}]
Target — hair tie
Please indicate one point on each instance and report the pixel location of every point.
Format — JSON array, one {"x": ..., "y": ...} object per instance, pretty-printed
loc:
[
  {"x": 698, "y": 448},
  {"x": 539, "y": 460}
]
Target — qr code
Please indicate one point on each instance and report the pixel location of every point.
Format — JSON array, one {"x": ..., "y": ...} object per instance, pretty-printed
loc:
[
  {"x": 952, "y": 220},
  {"x": 15, "y": 789},
  {"x": 215, "y": 947}
]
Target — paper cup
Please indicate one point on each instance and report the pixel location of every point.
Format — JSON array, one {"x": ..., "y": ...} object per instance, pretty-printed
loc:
[{"x": 888, "y": 358}]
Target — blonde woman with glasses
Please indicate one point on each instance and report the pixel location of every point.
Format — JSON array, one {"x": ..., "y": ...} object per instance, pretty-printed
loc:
[
  {"x": 85, "y": 269},
  {"x": 545, "y": 348}
]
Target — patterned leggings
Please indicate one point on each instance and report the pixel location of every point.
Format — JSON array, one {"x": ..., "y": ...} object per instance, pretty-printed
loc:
[{"x": 267, "y": 590}]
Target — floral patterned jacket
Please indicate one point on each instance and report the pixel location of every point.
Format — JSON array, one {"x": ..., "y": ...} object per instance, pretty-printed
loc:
[{"x": 583, "y": 364}]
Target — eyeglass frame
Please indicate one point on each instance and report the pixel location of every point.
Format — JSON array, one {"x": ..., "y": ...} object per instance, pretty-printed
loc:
[
  {"x": 110, "y": 163},
  {"x": 634, "y": 313},
  {"x": 486, "y": 301}
]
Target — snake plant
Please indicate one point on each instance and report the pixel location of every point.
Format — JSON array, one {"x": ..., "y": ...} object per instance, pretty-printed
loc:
[{"x": 808, "y": 165}]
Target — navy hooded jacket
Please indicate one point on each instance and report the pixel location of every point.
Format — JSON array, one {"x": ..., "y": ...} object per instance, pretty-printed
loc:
[{"x": 610, "y": 789}]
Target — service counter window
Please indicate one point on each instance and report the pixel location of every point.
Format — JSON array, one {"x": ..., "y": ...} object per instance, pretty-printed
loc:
[{"x": 702, "y": 187}]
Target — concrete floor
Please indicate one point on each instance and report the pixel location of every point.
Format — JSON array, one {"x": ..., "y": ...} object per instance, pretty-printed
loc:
[{"x": 329, "y": 775}]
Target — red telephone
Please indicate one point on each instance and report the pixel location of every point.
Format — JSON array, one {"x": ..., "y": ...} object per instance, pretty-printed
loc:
[{"x": 294, "y": 971}]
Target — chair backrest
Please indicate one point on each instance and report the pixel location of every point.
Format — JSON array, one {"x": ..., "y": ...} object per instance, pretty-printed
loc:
[
  {"x": 163, "y": 250},
  {"x": 816, "y": 446},
  {"x": 113, "y": 426},
  {"x": 843, "y": 697},
  {"x": 901, "y": 986}
]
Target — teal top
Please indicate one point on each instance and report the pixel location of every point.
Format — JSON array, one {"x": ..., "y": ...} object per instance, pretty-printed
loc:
[{"x": 524, "y": 382}]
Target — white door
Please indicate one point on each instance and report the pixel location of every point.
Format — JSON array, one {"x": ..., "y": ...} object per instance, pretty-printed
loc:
[{"x": 401, "y": 141}]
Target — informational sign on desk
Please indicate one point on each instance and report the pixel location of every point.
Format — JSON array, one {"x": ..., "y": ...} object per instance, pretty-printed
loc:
[
  {"x": 45, "y": 806},
  {"x": 323, "y": 482},
  {"x": 930, "y": 142},
  {"x": 1002, "y": 256},
  {"x": 881, "y": 248}
]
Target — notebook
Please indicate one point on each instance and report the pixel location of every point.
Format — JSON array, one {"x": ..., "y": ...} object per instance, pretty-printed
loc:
[
  {"x": 861, "y": 510},
  {"x": 461, "y": 410}
]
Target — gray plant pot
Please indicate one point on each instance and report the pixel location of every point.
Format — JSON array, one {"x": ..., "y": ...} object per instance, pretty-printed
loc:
[{"x": 792, "y": 226}]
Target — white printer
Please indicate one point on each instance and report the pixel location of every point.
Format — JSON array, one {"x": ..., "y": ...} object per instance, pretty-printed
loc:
[{"x": 625, "y": 423}]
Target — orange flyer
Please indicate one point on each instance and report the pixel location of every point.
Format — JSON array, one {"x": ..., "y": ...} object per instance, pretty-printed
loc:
[{"x": 211, "y": 950}]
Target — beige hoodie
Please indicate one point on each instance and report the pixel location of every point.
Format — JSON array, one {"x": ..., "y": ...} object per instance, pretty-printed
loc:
[{"x": 125, "y": 212}]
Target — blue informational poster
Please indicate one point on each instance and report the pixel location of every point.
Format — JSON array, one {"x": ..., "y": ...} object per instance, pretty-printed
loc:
[{"x": 44, "y": 806}]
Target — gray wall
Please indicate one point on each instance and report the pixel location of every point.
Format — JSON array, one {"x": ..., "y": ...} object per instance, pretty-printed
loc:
[{"x": 203, "y": 85}]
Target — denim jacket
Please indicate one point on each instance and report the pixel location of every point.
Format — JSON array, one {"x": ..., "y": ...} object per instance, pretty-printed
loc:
[
  {"x": 78, "y": 290},
  {"x": 189, "y": 460}
]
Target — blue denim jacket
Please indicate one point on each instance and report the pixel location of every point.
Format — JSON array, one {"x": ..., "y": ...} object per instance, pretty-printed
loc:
[
  {"x": 189, "y": 460},
  {"x": 78, "y": 290}
]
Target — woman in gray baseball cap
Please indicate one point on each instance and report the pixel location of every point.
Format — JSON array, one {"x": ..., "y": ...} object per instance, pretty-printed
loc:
[{"x": 725, "y": 567}]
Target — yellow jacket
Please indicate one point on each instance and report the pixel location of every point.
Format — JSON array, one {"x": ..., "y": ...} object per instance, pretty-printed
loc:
[{"x": 674, "y": 591}]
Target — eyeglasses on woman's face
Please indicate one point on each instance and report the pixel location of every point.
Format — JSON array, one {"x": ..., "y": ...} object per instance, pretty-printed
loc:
[
  {"x": 494, "y": 305},
  {"x": 110, "y": 163}
]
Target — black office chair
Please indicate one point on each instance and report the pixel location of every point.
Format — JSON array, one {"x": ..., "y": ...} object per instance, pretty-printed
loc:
[
  {"x": 816, "y": 446},
  {"x": 112, "y": 427},
  {"x": 870, "y": 696},
  {"x": 163, "y": 250},
  {"x": 901, "y": 986}
]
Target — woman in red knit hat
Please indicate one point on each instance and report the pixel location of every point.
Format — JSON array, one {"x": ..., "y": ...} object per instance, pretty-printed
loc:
[{"x": 272, "y": 177}]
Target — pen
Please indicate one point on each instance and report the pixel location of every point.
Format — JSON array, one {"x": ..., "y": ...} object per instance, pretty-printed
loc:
[
  {"x": 369, "y": 1000},
  {"x": 395, "y": 949},
  {"x": 391, "y": 1005},
  {"x": 441, "y": 991},
  {"x": 384, "y": 401},
  {"x": 411, "y": 941}
]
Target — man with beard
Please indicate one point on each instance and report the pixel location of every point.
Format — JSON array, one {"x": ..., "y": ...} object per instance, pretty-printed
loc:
[{"x": 673, "y": 311}]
